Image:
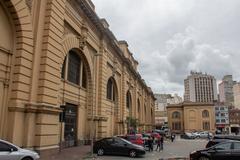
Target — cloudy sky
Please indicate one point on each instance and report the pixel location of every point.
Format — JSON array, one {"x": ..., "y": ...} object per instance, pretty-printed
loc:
[{"x": 170, "y": 38}]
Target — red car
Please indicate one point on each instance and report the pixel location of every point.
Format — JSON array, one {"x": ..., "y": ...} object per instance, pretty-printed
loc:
[
  {"x": 136, "y": 139},
  {"x": 155, "y": 135}
]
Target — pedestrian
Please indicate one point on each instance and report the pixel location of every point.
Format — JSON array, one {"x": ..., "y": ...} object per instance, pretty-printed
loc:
[
  {"x": 158, "y": 144},
  {"x": 161, "y": 142},
  {"x": 172, "y": 137},
  {"x": 150, "y": 144},
  {"x": 209, "y": 137}
]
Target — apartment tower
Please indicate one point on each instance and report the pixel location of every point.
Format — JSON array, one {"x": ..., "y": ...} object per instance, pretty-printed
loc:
[
  {"x": 226, "y": 90},
  {"x": 200, "y": 87}
]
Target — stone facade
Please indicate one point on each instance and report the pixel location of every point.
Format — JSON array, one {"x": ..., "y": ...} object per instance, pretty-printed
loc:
[
  {"x": 162, "y": 100},
  {"x": 188, "y": 117},
  {"x": 58, "y": 56}
]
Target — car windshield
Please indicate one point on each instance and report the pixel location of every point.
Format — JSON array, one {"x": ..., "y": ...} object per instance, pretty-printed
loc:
[{"x": 126, "y": 141}]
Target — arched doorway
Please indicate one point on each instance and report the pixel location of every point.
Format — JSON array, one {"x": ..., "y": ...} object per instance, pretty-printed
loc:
[
  {"x": 112, "y": 96},
  {"x": 129, "y": 109},
  {"x": 76, "y": 77},
  {"x": 6, "y": 53}
]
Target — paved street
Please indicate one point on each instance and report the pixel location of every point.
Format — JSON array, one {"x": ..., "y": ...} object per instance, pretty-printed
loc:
[{"x": 178, "y": 149}]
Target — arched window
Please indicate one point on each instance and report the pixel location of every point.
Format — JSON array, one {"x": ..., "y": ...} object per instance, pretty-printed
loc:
[
  {"x": 74, "y": 69},
  {"x": 129, "y": 100},
  {"x": 176, "y": 115},
  {"x": 63, "y": 68},
  {"x": 145, "y": 112},
  {"x": 84, "y": 77},
  {"x": 111, "y": 89},
  {"x": 205, "y": 114}
]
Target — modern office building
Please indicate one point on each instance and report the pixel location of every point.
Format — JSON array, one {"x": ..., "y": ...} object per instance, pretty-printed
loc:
[
  {"x": 200, "y": 87},
  {"x": 226, "y": 90},
  {"x": 189, "y": 117},
  {"x": 59, "y": 56}
]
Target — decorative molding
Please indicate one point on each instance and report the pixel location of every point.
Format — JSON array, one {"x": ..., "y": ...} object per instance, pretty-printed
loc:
[
  {"x": 37, "y": 108},
  {"x": 29, "y": 4}
]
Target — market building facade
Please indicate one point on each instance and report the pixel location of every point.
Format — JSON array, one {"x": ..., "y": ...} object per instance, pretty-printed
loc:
[
  {"x": 191, "y": 116},
  {"x": 59, "y": 56}
]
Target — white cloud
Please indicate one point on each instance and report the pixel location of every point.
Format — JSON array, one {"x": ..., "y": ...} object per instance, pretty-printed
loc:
[{"x": 171, "y": 37}]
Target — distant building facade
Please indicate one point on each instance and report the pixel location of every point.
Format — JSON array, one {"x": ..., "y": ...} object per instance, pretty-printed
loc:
[
  {"x": 200, "y": 87},
  {"x": 222, "y": 117},
  {"x": 236, "y": 95},
  {"x": 234, "y": 118},
  {"x": 189, "y": 116},
  {"x": 226, "y": 90},
  {"x": 162, "y": 100}
]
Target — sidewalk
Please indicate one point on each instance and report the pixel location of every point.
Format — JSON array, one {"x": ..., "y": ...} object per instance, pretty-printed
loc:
[{"x": 74, "y": 153}]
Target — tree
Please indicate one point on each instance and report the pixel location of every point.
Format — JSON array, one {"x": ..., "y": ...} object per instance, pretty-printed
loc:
[{"x": 132, "y": 124}]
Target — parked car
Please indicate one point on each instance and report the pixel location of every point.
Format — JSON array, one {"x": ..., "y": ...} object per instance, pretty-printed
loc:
[
  {"x": 231, "y": 137},
  {"x": 205, "y": 134},
  {"x": 9, "y": 151},
  {"x": 161, "y": 132},
  {"x": 155, "y": 135},
  {"x": 117, "y": 146},
  {"x": 215, "y": 141},
  {"x": 187, "y": 135},
  {"x": 221, "y": 138},
  {"x": 196, "y": 134},
  {"x": 229, "y": 150},
  {"x": 136, "y": 139}
]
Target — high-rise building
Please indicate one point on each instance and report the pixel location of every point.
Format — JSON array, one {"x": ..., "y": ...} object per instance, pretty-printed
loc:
[
  {"x": 236, "y": 95},
  {"x": 200, "y": 87},
  {"x": 226, "y": 90}
]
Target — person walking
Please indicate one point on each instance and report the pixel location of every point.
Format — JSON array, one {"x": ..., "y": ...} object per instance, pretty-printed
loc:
[
  {"x": 158, "y": 144},
  {"x": 161, "y": 142},
  {"x": 172, "y": 137},
  {"x": 150, "y": 144}
]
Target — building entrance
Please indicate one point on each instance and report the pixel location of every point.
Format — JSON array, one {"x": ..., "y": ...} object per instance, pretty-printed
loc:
[{"x": 70, "y": 130}]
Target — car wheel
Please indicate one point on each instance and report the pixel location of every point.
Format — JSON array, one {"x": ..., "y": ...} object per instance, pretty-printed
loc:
[
  {"x": 27, "y": 158},
  {"x": 132, "y": 153},
  {"x": 100, "y": 151},
  {"x": 203, "y": 158}
]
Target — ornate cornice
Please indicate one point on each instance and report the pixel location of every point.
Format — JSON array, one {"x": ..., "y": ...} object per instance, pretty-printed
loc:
[{"x": 106, "y": 32}]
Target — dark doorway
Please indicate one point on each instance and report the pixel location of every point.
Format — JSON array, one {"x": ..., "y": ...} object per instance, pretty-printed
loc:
[{"x": 70, "y": 130}]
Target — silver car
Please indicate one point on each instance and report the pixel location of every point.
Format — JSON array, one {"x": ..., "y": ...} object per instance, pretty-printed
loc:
[{"x": 9, "y": 151}]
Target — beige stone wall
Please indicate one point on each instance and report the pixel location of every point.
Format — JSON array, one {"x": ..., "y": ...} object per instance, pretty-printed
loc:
[
  {"x": 36, "y": 39},
  {"x": 191, "y": 116}
]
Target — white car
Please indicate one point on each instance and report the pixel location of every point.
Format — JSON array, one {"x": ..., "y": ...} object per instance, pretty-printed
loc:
[
  {"x": 9, "y": 151},
  {"x": 196, "y": 134},
  {"x": 205, "y": 134}
]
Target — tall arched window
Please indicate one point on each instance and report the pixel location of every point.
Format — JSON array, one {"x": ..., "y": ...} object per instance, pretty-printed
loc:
[
  {"x": 111, "y": 89},
  {"x": 129, "y": 100},
  {"x": 145, "y": 113},
  {"x": 205, "y": 114},
  {"x": 74, "y": 69},
  {"x": 176, "y": 115}
]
